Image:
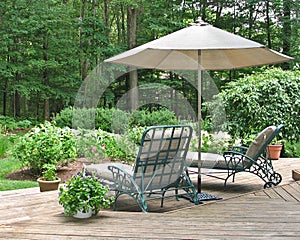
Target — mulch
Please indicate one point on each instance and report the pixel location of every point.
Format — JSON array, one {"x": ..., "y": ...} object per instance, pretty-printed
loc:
[{"x": 64, "y": 173}]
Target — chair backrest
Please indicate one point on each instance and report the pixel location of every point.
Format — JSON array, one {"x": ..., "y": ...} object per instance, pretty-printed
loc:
[
  {"x": 263, "y": 139},
  {"x": 161, "y": 157}
]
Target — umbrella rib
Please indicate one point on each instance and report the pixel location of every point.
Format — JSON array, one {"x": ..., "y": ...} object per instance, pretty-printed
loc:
[{"x": 163, "y": 59}]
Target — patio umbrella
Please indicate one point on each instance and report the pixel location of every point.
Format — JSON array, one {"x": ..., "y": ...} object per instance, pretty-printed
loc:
[{"x": 199, "y": 47}]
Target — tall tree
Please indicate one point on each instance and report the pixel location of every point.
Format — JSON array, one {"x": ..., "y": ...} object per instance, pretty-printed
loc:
[{"x": 133, "y": 75}]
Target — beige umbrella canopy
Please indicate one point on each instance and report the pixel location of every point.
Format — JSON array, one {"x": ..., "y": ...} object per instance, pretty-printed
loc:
[
  {"x": 199, "y": 47},
  {"x": 220, "y": 50}
]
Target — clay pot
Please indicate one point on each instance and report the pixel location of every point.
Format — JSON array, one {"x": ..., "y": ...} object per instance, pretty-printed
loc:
[
  {"x": 48, "y": 185},
  {"x": 274, "y": 151}
]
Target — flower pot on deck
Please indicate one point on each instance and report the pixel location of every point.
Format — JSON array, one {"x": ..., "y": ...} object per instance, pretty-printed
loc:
[
  {"x": 48, "y": 185},
  {"x": 274, "y": 151},
  {"x": 82, "y": 215}
]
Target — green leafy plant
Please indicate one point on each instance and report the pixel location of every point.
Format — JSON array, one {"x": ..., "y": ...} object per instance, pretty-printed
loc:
[
  {"x": 108, "y": 119},
  {"x": 82, "y": 193},
  {"x": 213, "y": 143},
  {"x": 46, "y": 144},
  {"x": 49, "y": 172},
  {"x": 97, "y": 144},
  {"x": 260, "y": 100},
  {"x": 145, "y": 118}
]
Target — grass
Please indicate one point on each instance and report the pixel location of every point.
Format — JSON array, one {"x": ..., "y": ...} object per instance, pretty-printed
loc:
[{"x": 9, "y": 165}]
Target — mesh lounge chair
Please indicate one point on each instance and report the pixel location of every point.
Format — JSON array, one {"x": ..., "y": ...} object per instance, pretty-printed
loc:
[
  {"x": 159, "y": 167},
  {"x": 242, "y": 159}
]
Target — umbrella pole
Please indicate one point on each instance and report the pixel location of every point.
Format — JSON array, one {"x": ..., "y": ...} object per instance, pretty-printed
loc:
[{"x": 199, "y": 120}]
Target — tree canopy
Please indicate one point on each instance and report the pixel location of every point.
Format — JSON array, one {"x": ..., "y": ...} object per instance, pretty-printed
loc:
[{"x": 48, "y": 47}]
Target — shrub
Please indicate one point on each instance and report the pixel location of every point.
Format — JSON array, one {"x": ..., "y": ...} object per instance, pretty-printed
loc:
[
  {"x": 145, "y": 118},
  {"x": 9, "y": 123},
  {"x": 110, "y": 120},
  {"x": 259, "y": 100},
  {"x": 45, "y": 144},
  {"x": 96, "y": 144}
]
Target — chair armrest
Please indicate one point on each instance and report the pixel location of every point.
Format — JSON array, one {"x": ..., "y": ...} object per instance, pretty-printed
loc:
[
  {"x": 237, "y": 159},
  {"x": 123, "y": 181},
  {"x": 240, "y": 149}
]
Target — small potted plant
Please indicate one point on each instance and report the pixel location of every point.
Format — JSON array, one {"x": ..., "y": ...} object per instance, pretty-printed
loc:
[
  {"x": 49, "y": 180},
  {"x": 84, "y": 195},
  {"x": 274, "y": 149}
]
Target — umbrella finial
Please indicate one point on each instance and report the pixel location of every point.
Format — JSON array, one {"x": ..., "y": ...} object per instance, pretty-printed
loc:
[{"x": 199, "y": 22}]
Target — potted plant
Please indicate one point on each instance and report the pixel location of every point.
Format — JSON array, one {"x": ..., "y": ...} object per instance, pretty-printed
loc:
[
  {"x": 274, "y": 149},
  {"x": 49, "y": 180},
  {"x": 84, "y": 195}
]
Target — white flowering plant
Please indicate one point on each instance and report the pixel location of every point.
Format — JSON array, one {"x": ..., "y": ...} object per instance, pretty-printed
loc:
[{"x": 84, "y": 193}]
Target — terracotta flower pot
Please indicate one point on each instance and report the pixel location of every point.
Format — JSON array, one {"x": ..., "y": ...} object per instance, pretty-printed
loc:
[
  {"x": 48, "y": 185},
  {"x": 274, "y": 151}
]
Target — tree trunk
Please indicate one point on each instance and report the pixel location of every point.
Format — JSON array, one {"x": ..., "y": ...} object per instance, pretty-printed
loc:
[
  {"x": 133, "y": 76},
  {"x": 46, "y": 82},
  {"x": 17, "y": 102},
  {"x": 287, "y": 30},
  {"x": 5, "y": 97},
  {"x": 268, "y": 24}
]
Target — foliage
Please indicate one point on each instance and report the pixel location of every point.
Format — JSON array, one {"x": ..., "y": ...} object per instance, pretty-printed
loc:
[
  {"x": 135, "y": 134},
  {"x": 9, "y": 123},
  {"x": 45, "y": 144},
  {"x": 291, "y": 149},
  {"x": 145, "y": 118},
  {"x": 49, "y": 172},
  {"x": 212, "y": 143},
  {"x": 110, "y": 120},
  {"x": 113, "y": 120},
  {"x": 3, "y": 145},
  {"x": 260, "y": 100},
  {"x": 82, "y": 193},
  {"x": 49, "y": 47},
  {"x": 96, "y": 144}
]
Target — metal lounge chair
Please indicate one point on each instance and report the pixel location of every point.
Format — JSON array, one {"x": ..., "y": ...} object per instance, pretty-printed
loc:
[
  {"x": 242, "y": 159},
  {"x": 159, "y": 167}
]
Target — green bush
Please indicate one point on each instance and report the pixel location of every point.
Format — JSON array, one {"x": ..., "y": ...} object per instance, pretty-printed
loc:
[
  {"x": 110, "y": 120},
  {"x": 45, "y": 144},
  {"x": 3, "y": 145},
  {"x": 262, "y": 99},
  {"x": 9, "y": 123},
  {"x": 145, "y": 118},
  {"x": 291, "y": 149},
  {"x": 97, "y": 144}
]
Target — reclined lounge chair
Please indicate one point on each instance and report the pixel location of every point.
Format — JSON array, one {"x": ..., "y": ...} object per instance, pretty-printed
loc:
[
  {"x": 159, "y": 167},
  {"x": 242, "y": 159}
]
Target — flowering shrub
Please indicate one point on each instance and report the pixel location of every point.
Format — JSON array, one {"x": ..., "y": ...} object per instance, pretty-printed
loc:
[
  {"x": 82, "y": 193},
  {"x": 98, "y": 144},
  {"x": 213, "y": 143},
  {"x": 46, "y": 144}
]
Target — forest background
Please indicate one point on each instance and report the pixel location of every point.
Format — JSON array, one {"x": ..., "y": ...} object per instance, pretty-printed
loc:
[{"x": 48, "y": 47}]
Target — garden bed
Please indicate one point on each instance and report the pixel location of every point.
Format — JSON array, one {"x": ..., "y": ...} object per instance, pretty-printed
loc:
[{"x": 63, "y": 173}]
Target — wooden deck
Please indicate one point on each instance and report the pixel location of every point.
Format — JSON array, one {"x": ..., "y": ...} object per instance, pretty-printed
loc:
[{"x": 247, "y": 211}]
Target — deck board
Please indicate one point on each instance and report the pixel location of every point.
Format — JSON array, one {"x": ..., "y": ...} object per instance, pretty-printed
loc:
[{"x": 247, "y": 211}]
